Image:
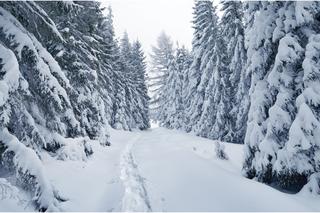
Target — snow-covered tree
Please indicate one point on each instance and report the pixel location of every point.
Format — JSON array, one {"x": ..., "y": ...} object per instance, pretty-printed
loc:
[
  {"x": 284, "y": 84},
  {"x": 130, "y": 87},
  {"x": 205, "y": 24},
  {"x": 233, "y": 35},
  {"x": 299, "y": 156},
  {"x": 118, "y": 118},
  {"x": 139, "y": 78},
  {"x": 128, "y": 74},
  {"x": 281, "y": 141},
  {"x": 223, "y": 97},
  {"x": 82, "y": 48},
  {"x": 33, "y": 95},
  {"x": 161, "y": 56},
  {"x": 261, "y": 52},
  {"x": 172, "y": 114},
  {"x": 59, "y": 68}
]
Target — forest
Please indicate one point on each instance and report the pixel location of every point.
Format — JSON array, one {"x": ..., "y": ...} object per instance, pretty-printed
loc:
[{"x": 243, "y": 104}]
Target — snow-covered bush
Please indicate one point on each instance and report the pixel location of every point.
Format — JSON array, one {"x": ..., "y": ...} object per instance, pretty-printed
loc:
[
  {"x": 75, "y": 149},
  {"x": 220, "y": 151}
]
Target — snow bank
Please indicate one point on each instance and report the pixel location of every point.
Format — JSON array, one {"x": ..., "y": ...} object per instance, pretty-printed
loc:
[
  {"x": 75, "y": 149},
  {"x": 67, "y": 148}
]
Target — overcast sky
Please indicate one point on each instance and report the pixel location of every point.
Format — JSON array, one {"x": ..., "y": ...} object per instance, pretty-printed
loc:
[{"x": 145, "y": 19}]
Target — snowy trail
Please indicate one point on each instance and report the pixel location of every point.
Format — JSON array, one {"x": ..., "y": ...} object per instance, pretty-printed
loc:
[
  {"x": 135, "y": 196},
  {"x": 164, "y": 170},
  {"x": 183, "y": 174}
]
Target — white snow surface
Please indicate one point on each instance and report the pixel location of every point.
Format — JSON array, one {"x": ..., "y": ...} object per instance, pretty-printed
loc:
[{"x": 162, "y": 170}]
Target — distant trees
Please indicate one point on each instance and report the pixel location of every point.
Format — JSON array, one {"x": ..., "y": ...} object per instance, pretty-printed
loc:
[
  {"x": 161, "y": 56},
  {"x": 132, "y": 102},
  {"x": 172, "y": 114},
  {"x": 211, "y": 89}
]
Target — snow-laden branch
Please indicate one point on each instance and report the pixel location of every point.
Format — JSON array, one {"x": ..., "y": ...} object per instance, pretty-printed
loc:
[{"x": 26, "y": 162}]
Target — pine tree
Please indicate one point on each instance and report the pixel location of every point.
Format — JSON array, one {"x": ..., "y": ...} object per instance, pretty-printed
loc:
[
  {"x": 233, "y": 33},
  {"x": 83, "y": 50},
  {"x": 59, "y": 68},
  {"x": 205, "y": 23},
  {"x": 161, "y": 56},
  {"x": 139, "y": 78},
  {"x": 282, "y": 81},
  {"x": 281, "y": 145},
  {"x": 127, "y": 72},
  {"x": 223, "y": 96},
  {"x": 34, "y": 96},
  {"x": 105, "y": 38},
  {"x": 172, "y": 114},
  {"x": 119, "y": 117},
  {"x": 261, "y": 54},
  {"x": 298, "y": 158}
]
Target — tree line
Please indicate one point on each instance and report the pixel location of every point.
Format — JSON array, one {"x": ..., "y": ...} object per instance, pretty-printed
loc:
[
  {"x": 252, "y": 77},
  {"x": 63, "y": 75}
]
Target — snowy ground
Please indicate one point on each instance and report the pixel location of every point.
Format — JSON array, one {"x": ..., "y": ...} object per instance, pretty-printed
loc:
[{"x": 160, "y": 170}]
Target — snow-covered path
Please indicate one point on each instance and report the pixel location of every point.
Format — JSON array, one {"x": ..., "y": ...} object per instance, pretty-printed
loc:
[
  {"x": 135, "y": 196},
  {"x": 164, "y": 170},
  {"x": 182, "y": 174}
]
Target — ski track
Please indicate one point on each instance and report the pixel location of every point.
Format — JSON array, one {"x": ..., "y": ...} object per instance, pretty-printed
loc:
[{"x": 135, "y": 196}]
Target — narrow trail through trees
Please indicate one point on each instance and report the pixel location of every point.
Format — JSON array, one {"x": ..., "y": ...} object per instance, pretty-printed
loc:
[{"x": 135, "y": 195}]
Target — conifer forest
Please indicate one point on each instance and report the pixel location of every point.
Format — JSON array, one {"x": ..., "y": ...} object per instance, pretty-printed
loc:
[{"x": 94, "y": 121}]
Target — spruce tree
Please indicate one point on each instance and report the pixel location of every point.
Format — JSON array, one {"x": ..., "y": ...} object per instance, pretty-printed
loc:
[
  {"x": 139, "y": 78},
  {"x": 280, "y": 145},
  {"x": 59, "y": 68},
  {"x": 298, "y": 158},
  {"x": 82, "y": 49},
  {"x": 233, "y": 35},
  {"x": 127, "y": 73},
  {"x": 205, "y": 24},
  {"x": 119, "y": 117},
  {"x": 161, "y": 56},
  {"x": 34, "y": 97},
  {"x": 172, "y": 113},
  {"x": 223, "y": 96},
  {"x": 261, "y": 52}
]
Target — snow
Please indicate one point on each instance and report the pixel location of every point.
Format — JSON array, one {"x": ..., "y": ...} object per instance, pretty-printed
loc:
[
  {"x": 312, "y": 186},
  {"x": 165, "y": 170},
  {"x": 74, "y": 149},
  {"x": 27, "y": 162},
  {"x": 41, "y": 13},
  {"x": 12, "y": 199},
  {"x": 10, "y": 81},
  {"x": 135, "y": 196},
  {"x": 46, "y": 64}
]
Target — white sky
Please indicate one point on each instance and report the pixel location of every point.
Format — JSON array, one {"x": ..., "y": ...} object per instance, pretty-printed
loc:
[{"x": 145, "y": 19}]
